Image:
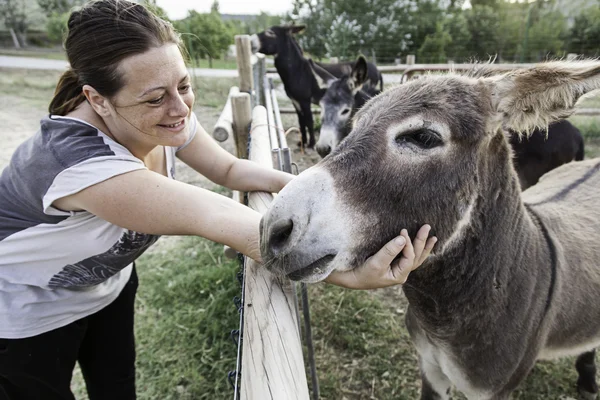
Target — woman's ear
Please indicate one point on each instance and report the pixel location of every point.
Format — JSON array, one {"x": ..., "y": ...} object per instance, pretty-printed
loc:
[{"x": 98, "y": 102}]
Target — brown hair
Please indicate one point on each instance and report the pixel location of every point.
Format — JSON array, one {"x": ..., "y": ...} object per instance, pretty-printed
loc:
[{"x": 100, "y": 36}]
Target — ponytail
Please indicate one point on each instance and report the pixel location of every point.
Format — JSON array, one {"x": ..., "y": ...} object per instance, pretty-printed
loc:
[{"x": 68, "y": 94}]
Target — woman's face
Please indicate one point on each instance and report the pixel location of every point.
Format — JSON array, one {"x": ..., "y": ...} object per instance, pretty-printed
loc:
[{"x": 154, "y": 105}]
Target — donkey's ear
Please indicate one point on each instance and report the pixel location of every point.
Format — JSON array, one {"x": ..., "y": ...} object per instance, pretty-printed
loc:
[
  {"x": 297, "y": 28},
  {"x": 528, "y": 98},
  {"x": 359, "y": 74},
  {"x": 322, "y": 76}
]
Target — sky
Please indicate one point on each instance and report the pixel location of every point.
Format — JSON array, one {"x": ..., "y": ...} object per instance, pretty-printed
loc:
[{"x": 177, "y": 9}]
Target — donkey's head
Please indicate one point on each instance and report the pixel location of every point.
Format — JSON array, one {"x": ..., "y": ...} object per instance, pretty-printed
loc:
[
  {"x": 429, "y": 151},
  {"x": 339, "y": 103},
  {"x": 275, "y": 40}
]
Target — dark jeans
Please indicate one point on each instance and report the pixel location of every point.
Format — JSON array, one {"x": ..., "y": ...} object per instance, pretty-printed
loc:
[{"x": 41, "y": 367}]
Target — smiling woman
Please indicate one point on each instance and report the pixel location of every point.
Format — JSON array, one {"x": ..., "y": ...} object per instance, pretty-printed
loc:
[{"x": 86, "y": 195}]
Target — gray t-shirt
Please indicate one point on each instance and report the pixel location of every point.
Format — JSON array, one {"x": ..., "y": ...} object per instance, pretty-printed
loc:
[{"x": 55, "y": 266}]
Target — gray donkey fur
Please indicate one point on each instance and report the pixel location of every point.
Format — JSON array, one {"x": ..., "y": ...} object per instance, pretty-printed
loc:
[{"x": 514, "y": 277}]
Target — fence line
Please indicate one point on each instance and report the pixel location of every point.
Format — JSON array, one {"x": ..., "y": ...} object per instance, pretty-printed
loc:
[{"x": 272, "y": 362}]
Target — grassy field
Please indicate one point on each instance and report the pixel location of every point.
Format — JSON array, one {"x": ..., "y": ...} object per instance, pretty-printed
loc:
[
  {"x": 185, "y": 310},
  {"x": 53, "y": 54},
  {"x": 59, "y": 54}
]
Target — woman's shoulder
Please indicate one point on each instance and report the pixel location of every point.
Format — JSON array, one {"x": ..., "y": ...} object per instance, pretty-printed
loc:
[{"x": 71, "y": 141}]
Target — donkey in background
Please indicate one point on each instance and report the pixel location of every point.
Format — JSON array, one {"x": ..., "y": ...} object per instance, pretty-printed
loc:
[
  {"x": 543, "y": 151},
  {"x": 514, "y": 277},
  {"x": 296, "y": 74},
  {"x": 342, "y": 98}
]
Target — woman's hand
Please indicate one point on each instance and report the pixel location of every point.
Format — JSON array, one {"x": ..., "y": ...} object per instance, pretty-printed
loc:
[{"x": 381, "y": 270}]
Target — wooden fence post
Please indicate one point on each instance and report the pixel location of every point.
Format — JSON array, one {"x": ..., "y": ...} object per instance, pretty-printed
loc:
[
  {"x": 224, "y": 127},
  {"x": 272, "y": 359},
  {"x": 242, "y": 116},
  {"x": 243, "y": 50}
]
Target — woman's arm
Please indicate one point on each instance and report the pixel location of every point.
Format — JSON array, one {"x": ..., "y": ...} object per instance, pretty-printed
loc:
[
  {"x": 208, "y": 158},
  {"x": 147, "y": 202}
]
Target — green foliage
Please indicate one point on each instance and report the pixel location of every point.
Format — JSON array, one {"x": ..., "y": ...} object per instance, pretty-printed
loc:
[
  {"x": 422, "y": 22},
  {"x": 205, "y": 35},
  {"x": 585, "y": 33},
  {"x": 51, "y": 7},
  {"x": 483, "y": 23},
  {"x": 456, "y": 26},
  {"x": 346, "y": 29},
  {"x": 546, "y": 37},
  {"x": 433, "y": 49},
  {"x": 57, "y": 26}
]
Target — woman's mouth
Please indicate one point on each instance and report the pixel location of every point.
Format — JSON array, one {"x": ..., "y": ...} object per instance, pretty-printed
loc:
[{"x": 176, "y": 127}]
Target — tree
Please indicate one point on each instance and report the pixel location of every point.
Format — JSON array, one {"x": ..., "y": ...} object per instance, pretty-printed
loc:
[
  {"x": 57, "y": 26},
  {"x": 583, "y": 35},
  {"x": 433, "y": 49},
  {"x": 58, "y": 6},
  {"x": 456, "y": 25},
  {"x": 483, "y": 23},
  {"x": 15, "y": 16},
  {"x": 547, "y": 37},
  {"x": 422, "y": 20},
  {"x": 205, "y": 35},
  {"x": 346, "y": 28}
]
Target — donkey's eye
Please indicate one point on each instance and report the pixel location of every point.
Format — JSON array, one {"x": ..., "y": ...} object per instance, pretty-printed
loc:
[
  {"x": 424, "y": 138},
  {"x": 345, "y": 111}
]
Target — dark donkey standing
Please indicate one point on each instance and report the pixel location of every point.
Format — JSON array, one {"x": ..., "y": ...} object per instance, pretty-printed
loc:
[
  {"x": 295, "y": 72},
  {"x": 514, "y": 276},
  {"x": 544, "y": 151}
]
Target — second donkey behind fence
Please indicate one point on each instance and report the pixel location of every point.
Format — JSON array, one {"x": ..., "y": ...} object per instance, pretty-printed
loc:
[{"x": 297, "y": 76}]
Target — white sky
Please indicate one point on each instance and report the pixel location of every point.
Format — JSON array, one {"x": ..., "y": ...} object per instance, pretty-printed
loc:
[{"x": 177, "y": 9}]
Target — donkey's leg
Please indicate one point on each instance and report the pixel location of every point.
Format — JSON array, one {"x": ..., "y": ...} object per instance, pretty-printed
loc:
[
  {"x": 586, "y": 368},
  {"x": 308, "y": 117},
  {"x": 301, "y": 122},
  {"x": 435, "y": 385}
]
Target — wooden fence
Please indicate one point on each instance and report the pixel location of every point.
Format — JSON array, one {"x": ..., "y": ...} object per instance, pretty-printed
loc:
[{"x": 272, "y": 362}]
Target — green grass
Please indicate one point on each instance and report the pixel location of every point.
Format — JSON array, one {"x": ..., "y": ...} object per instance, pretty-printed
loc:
[
  {"x": 216, "y": 64},
  {"x": 184, "y": 316},
  {"x": 212, "y": 92},
  {"x": 37, "y": 86},
  {"x": 34, "y": 86}
]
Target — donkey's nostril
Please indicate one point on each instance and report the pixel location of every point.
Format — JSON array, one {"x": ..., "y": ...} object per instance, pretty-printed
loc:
[
  {"x": 323, "y": 150},
  {"x": 280, "y": 235}
]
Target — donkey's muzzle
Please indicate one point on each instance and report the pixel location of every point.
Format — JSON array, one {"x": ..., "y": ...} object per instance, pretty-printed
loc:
[{"x": 323, "y": 150}]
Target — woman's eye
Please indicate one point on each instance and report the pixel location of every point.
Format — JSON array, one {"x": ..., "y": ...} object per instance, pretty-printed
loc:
[
  {"x": 424, "y": 138},
  {"x": 156, "y": 101},
  {"x": 185, "y": 88}
]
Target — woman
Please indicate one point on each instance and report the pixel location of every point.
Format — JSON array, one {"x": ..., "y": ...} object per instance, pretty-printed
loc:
[{"x": 94, "y": 188}]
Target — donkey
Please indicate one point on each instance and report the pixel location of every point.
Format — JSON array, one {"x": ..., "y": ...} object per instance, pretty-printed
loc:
[
  {"x": 514, "y": 277},
  {"x": 543, "y": 151},
  {"x": 296, "y": 74},
  {"x": 342, "y": 98}
]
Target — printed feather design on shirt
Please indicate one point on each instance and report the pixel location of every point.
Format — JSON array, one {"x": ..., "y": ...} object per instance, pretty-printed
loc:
[{"x": 98, "y": 268}]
